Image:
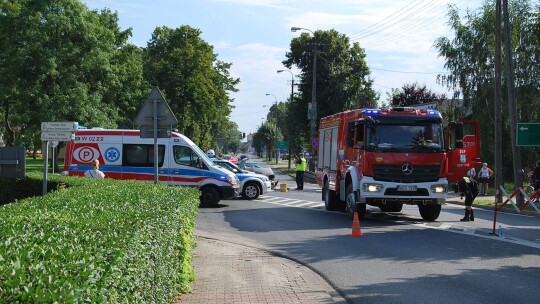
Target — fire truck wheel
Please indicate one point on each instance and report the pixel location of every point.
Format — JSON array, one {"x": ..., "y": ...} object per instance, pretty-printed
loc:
[
  {"x": 329, "y": 197},
  {"x": 251, "y": 191},
  {"x": 351, "y": 206},
  {"x": 430, "y": 212},
  {"x": 209, "y": 197}
]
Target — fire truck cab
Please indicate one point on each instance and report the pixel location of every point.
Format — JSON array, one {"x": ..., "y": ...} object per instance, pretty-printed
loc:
[{"x": 390, "y": 157}]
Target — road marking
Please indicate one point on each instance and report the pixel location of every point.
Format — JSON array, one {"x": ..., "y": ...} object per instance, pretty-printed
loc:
[
  {"x": 443, "y": 226},
  {"x": 291, "y": 202}
]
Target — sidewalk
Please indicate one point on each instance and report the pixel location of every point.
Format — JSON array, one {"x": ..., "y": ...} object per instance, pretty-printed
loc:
[{"x": 232, "y": 273}]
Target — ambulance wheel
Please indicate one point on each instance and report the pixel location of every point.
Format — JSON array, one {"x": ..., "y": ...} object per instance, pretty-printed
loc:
[
  {"x": 329, "y": 197},
  {"x": 209, "y": 197},
  {"x": 251, "y": 191},
  {"x": 430, "y": 212}
]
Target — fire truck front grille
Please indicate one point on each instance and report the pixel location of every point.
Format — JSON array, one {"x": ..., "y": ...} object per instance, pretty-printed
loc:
[{"x": 394, "y": 173}]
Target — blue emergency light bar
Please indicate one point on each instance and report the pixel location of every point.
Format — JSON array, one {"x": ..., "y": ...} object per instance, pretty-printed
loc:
[
  {"x": 372, "y": 111},
  {"x": 432, "y": 112}
]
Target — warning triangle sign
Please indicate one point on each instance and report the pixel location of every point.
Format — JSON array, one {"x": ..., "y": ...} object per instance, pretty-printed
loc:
[{"x": 164, "y": 114}]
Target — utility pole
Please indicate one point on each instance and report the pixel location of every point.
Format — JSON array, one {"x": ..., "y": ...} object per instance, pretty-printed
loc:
[
  {"x": 518, "y": 178},
  {"x": 498, "y": 113}
]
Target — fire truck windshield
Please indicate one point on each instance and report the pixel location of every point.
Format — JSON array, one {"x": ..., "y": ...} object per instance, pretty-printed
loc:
[{"x": 424, "y": 138}]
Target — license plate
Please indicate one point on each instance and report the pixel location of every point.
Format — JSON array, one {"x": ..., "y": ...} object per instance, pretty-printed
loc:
[{"x": 406, "y": 188}]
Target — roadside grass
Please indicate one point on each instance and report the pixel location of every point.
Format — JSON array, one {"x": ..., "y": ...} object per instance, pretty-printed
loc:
[{"x": 36, "y": 165}]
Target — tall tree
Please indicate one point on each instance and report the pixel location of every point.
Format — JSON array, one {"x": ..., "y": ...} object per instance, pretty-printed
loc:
[
  {"x": 195, "y": 83},
  {"x": 413, "y": 94},
  {"x": 470, "y": 58},
  {"x": 57, "y": 63},
  {"x": 343, "y": 80}
]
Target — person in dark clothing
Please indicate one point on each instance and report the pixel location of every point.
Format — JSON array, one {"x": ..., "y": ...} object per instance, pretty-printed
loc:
[
  {"x": 536, "y": 176},
  {"x": 468, "y": 188}
]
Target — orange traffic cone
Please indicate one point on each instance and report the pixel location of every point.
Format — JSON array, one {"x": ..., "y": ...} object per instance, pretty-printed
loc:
[{"x": 356, "y": 226}]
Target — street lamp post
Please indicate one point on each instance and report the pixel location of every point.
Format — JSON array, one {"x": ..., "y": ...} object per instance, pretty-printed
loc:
[
  {"x": 292, "y": 95},
  {"x": 313, "y": 112}
]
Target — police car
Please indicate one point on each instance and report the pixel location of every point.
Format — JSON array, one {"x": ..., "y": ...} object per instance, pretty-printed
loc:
[{"x": 251, "y": 184}]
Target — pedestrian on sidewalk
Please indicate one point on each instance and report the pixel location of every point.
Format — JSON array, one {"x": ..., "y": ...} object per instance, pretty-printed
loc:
[
  {"x": 468, "y": 188},
  {"x": 484, "y": 174},
  {"x": 301, "y": 165}
]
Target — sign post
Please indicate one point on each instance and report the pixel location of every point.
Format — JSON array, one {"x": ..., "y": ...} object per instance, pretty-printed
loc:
[
  {"x": 55, "y": 131},
  {"x": 155, "y": 119},
  {"x": 528, "y": 134}
]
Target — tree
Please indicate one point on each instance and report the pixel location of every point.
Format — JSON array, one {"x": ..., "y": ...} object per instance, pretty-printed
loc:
[
  {"x": 266, "y": 135},
  {"x": 413, "y": 94},
  {"x": 470, "y": 58},
  {"x": 195, "y": 83},
  {"x": 343, "y": 80},
  {"x": 57, "y": 64}
]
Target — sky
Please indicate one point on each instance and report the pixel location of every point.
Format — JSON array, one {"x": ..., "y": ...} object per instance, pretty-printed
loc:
[{"x": 254, "y": 35}]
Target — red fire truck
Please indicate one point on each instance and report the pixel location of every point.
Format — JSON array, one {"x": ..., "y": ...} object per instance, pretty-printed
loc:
[{"x": 390, "y": 157}]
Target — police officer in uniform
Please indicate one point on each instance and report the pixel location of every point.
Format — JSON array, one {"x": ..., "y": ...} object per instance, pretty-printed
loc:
[{"x": 301, "y": 165}]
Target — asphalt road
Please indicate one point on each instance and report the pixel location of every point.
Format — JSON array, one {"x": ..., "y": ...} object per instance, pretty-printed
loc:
[{"x": 399, "y": 258}]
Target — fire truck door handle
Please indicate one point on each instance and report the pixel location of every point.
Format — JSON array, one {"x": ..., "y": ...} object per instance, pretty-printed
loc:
[{"x": 161, "y": 171}]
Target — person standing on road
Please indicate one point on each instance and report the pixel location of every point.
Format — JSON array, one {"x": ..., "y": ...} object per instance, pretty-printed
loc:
[
  {"x": 484, "y": 174},
  {"x": 94, "y": 172},
  {"x": 468, "y": 188},
  {"x": 301, "y": 165},
  {"x": 471, "y": 173}
]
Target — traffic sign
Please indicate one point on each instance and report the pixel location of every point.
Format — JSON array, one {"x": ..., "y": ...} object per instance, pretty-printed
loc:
[
  {"x": 58, "y": 131},
  {"x": 69, "y": 126},
  {"x": 528, "y": 134},
  {"x": 281, "y": 144},
  {"x": 164, "y": 115},
  {"x": 57, "y": 136},
  {"x": 148, "y": 132}
]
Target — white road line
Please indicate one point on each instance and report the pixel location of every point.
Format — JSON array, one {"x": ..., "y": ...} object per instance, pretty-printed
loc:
[
  {"x": 292, "y": 202},
  {"x": 307, "y": 204}
]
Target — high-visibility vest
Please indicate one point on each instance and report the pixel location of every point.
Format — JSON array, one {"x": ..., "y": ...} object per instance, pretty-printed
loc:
[{"x": 301, "y": 166}]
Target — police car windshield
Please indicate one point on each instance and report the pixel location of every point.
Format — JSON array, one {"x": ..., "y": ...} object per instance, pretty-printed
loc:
[{"x": 425, "y": 138}]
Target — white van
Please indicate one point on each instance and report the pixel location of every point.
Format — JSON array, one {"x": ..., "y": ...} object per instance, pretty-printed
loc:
[{"x": 123, "y": 154}]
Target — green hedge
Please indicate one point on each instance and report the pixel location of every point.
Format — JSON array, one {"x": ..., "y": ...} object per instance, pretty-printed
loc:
[{"x": 99, "y": 241}]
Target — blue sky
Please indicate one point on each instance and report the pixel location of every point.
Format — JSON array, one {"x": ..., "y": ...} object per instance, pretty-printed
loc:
[{"x": 254, "y": 36}]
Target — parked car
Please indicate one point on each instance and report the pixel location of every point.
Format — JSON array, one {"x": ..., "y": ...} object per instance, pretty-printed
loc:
[
  {"x": 260, "y": 168},
  {"x": 231, "y": 158},
  {"x": 251, "y": 184}
]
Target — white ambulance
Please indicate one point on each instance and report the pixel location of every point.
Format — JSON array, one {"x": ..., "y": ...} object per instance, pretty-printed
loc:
[{"x": 123, "y": 154}]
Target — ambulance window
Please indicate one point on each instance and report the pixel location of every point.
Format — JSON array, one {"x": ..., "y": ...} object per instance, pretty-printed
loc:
[
  {"x": 185, "y": 156},
  {"x": 141, "y": 155}
]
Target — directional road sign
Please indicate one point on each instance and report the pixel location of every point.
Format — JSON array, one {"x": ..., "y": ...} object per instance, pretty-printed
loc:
[
  {"x": 58, "y": 131},
  {"x": 528, "y": 134}
]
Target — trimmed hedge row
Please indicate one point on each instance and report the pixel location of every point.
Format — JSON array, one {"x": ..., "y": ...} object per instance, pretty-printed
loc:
[{"x": 101, "y": 241}]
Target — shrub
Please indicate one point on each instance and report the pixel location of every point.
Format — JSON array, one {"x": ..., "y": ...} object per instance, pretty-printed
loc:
[{"x": 103, "y": 241}]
